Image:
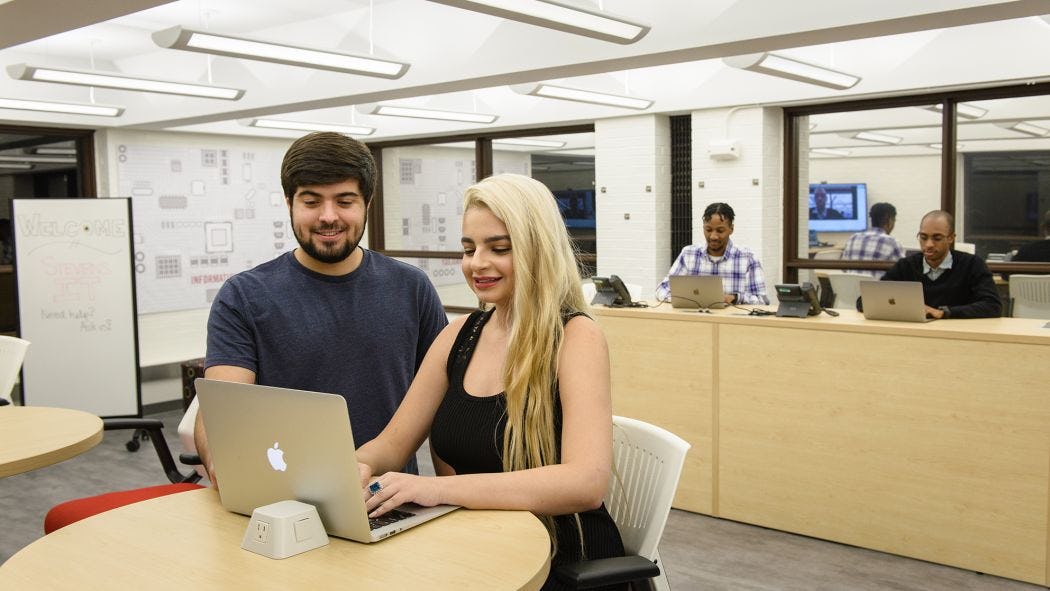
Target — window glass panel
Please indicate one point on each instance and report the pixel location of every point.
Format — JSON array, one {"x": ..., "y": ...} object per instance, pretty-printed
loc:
[
  {"x": 1004, "y": 177},
  {"x": 448, "y": 279},
  {"x": 851, "y": 160},
  {"x": 566, "y": 165},
  {"x": 423, "y": 195}
]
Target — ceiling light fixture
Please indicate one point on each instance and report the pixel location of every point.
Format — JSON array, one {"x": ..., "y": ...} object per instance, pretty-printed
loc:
[
  {"x": 881, "y": 138},
  {"x": 829, "y": 151},
  {"x": 558, "y": 16},
  {"x": 419, "y": 113},
  {"x": 524, "y": 141},
  {"x": 310, "y": 126},
  {"x": 963, "y": 110},
  {"x": 55, "y": 151},
  {"x": 1025, "y": 128},
  {"x": 16, "y": 165},
  {"x": 99, "y": 80},
  {"x": 53, "y": 107},
  {"x": 582, "y": 96},
  {"x": 190, "y": 40},
  {"x": 40, "y": 159},
  {"x": 793, "y": 69}
]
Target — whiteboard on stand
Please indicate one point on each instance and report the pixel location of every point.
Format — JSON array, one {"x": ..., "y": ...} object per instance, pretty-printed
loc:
[{"x": 76, "y": 304}]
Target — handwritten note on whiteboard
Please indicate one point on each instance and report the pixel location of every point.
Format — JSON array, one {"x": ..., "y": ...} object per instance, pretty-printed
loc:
[{"x": 76, "y": 301}]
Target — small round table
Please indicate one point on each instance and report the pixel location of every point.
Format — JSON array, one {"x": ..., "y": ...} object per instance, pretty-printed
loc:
[{"x": 32, "y": 437}]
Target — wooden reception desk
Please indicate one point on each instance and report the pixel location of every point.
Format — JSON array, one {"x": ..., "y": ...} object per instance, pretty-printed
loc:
[{"x": 925, "y": 440}]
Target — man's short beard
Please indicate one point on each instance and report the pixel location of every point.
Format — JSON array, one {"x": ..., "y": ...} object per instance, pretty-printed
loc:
[{"x": 330, "y": 257}]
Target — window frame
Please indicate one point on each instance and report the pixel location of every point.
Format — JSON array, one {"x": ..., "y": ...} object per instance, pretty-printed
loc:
[{"x": 792, "y": 262}]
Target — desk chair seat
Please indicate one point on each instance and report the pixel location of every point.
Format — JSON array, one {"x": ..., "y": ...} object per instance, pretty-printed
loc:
[
  {"x": 647, "y": 463},
  {"x": 72, "y": 511}
]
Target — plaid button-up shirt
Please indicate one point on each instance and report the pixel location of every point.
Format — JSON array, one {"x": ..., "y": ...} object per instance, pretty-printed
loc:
[
  {"x": 740, "y": 271},
  {"x": 872, "y": 245}
]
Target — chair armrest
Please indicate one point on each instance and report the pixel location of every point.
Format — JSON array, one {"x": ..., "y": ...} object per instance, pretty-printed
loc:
[
  {"x": 588, "y": 574},
  {"x": 160, "y": 445},
  {"x": 190, "y": 459}
]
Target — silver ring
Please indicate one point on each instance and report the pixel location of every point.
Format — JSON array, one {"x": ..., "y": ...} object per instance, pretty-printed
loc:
[{"x": 375, "y": 487}]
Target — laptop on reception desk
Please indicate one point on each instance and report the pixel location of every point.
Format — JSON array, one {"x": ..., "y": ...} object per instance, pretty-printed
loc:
[
  {"x": 273, "y": 444},
  {"x": 899, "y": 301},
  {"x": 696, "y": 291}
]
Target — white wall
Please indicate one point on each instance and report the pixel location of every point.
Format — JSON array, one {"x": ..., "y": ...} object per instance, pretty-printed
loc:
[
  {"x": 168, "y": 337},
  {"x": 632, "y": 172},
  {"x": 751, "y": 183}
]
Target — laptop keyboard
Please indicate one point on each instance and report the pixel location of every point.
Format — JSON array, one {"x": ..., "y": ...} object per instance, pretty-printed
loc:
[{"x": 391, "y": 517}]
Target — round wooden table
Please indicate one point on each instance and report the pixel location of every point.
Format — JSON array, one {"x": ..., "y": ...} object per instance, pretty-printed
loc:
[
  {"x": 32, "y": 437},
  {"x": 188, "y": 541}
]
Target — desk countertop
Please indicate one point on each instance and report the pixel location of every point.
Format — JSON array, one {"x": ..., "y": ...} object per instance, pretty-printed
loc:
[{"x": 188, "y": 541}]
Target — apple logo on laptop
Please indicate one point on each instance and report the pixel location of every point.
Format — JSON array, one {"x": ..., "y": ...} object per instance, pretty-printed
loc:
[
  {"x": 892, "y": 301},
  {"x": 276, "y": 456}
]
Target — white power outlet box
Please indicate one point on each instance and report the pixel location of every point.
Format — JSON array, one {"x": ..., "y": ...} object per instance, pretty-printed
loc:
[
  {"x": 723, "y": 149},
  {"x": 284, "y": 529}
]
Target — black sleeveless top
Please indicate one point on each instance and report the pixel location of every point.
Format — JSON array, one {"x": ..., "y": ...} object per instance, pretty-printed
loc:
[{"x": 467, "y": 434}]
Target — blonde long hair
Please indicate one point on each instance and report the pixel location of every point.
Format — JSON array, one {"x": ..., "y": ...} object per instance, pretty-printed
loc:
[{"x": 546, "y": 286}]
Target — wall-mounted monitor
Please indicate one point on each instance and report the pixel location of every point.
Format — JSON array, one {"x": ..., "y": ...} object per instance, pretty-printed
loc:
[
  {"x": 577, "y": 207},
  {"x": 838, "y": 207}
]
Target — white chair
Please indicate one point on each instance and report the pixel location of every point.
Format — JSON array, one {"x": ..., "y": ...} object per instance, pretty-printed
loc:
[
  {"x": 12, "y": 353},
  {"x": 1030, "y": 295},
  {"x": 647, "y": 462},
  {"x": 846, "y": 287}
]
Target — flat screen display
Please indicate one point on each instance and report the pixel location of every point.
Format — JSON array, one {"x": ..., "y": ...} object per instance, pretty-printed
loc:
[
  {"x": 577, "y": 207},
  {"x": 838, "y": 207}
]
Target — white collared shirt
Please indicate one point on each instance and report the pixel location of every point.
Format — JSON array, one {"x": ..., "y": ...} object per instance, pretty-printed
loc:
[{"x": 934, "y": 272}]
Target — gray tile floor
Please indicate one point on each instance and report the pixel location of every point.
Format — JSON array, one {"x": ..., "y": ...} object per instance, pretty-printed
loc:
[{"x": 698, "y": 552}]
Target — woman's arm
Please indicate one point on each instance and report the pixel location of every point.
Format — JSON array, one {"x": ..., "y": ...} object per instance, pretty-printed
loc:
[{"x": 578, "y": 483}]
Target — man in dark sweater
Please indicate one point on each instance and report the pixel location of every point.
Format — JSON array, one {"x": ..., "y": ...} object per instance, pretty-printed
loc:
[{"x": 954, "y": 284}]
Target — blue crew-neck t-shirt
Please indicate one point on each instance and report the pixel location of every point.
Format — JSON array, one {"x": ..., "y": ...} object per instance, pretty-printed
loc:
[{"x": 362, "y": 335}]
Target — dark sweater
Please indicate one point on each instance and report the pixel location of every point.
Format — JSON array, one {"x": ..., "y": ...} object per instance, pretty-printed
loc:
[{"x": 967, "y": 288}]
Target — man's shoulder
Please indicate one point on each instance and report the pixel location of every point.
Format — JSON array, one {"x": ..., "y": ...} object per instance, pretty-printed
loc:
[
  {"x": 263, "y": 271},
  {"x": 387, "y": 265}
]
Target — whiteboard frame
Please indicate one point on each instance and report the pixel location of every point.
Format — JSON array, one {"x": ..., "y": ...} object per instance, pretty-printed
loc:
[{"x": 81, "y": 399}]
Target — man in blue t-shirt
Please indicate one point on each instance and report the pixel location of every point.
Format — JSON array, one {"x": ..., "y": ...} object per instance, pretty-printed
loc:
[{"x": 329, "y": 316}]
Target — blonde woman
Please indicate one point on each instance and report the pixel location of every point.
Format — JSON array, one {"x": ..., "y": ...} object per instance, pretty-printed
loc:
[{"x": 515, "y": 396}]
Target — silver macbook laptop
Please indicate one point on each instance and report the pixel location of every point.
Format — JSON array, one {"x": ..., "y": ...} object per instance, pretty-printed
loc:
[
  {"x": 272, "y": 444},
  {"x": 893, "y": 300},
  {"x": 697, "y": 291}
]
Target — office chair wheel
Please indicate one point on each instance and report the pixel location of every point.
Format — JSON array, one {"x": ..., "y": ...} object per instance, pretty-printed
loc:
[{"x": 133, "y": 444}]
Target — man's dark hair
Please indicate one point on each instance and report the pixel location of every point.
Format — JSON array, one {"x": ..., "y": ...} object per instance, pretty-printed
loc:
[
  {"x": 881, "y": 214},
  {"x": 721, "y": 209},
  {"x": 326, "y": 157}
]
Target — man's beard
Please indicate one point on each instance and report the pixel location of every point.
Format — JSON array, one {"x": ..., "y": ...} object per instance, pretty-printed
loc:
[{"x": 330, "y": 256}]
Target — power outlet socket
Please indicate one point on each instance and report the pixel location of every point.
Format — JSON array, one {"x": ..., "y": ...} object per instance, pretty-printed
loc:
[{"x": 284, "y": 529}]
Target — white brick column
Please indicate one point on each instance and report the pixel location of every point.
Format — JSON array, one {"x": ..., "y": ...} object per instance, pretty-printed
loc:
[{"x": 632, "y": 166}]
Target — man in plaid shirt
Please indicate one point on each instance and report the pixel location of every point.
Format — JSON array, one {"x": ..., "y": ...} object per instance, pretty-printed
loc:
[
  {"x": 875, "y": 244},
  {"x": 742, "y": 279}
]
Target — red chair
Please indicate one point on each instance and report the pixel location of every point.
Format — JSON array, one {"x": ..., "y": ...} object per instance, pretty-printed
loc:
[{"x": 72, "y": 511}]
